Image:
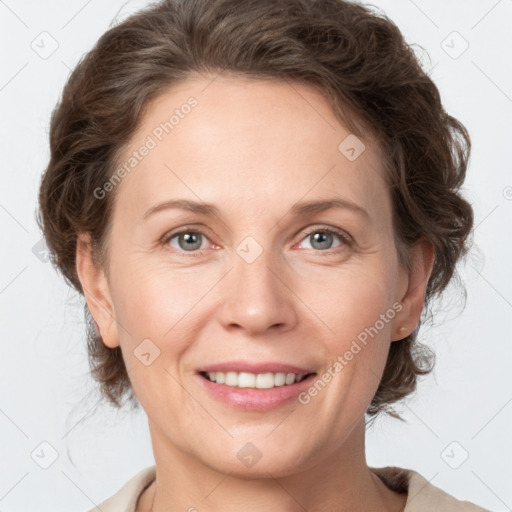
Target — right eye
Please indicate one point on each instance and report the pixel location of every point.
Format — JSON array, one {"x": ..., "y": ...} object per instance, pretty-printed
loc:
[{"x": 186, "y": 240}]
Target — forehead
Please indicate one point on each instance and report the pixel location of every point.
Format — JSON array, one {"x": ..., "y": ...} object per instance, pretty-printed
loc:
[{"x": 241, "y": 140}]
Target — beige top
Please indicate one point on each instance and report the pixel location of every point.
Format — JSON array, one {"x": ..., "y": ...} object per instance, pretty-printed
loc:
[{"x": 422, "y": 495}]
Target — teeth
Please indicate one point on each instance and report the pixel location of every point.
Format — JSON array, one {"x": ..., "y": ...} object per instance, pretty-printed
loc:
[
  {"x": 246, "y": 380},
  {"x": 280, "y": 379},
  {"x": 252, "y": 380}
]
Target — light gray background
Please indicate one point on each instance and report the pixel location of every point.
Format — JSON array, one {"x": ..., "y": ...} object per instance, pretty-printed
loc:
[{"x": 463, "y": 409}]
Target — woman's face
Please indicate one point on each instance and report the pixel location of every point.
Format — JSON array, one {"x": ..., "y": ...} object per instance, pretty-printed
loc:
[{"x": 257, "y": 280}]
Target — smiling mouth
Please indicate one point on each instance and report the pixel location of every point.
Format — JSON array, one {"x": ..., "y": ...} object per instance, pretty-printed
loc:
[{"x": 255, "y": 381}]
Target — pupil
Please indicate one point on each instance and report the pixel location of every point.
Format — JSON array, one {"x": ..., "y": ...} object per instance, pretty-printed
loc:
[
  {"x": 323, "y": 238},
  {"x": 192, "y": 241}
]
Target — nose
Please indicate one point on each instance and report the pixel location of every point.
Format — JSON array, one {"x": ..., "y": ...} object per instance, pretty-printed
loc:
[{"x": 256, "y": 297}]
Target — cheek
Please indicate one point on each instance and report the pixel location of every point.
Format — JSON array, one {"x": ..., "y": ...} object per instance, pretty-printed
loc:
[
  {"x": 153, "y": 310},
  {"x": 154, "y": 299},
  {"x": 360, "y": 312},
  {"x": 156, "y": 331},
  {"x": 355, "y": 299}
]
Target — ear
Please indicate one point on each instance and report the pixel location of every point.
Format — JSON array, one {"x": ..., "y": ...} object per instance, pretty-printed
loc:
[
  {"x": 96, "y": 291},
  {"x": 412, "y": 292}
]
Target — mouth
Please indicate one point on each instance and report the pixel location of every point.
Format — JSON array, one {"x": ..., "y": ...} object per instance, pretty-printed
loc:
[
  {"x": 267, "y": 380},
  {"x": 254, "y": 386}
]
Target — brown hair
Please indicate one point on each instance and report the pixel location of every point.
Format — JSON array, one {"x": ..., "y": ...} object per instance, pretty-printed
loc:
[{"x": 354, "y": 55}]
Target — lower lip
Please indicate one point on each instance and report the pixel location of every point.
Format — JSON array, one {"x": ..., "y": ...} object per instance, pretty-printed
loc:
[{"x": 251, "y": 399}]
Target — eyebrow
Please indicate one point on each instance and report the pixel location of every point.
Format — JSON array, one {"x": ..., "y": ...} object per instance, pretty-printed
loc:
[{"x": 298, "y": 209}]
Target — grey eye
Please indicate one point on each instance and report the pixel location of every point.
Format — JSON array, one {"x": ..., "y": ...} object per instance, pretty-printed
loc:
[
  {"x": 188, "y": 240},
  {"x": 323, "y": 239}
]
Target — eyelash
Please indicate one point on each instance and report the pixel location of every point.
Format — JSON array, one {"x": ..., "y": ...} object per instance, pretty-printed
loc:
[{"x": 347, "y": 241}]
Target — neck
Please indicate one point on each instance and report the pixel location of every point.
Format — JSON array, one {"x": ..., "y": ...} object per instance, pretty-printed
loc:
[{"x": 341, "y": 483}]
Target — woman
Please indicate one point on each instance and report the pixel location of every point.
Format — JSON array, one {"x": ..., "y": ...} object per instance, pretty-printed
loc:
[{"x": 303, "y": 155}]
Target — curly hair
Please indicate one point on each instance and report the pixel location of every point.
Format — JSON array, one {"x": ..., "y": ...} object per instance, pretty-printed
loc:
[{"x": 355, "y": 55}]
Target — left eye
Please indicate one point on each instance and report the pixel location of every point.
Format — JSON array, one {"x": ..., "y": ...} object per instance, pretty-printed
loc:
[{"x": 323, "y": 238}]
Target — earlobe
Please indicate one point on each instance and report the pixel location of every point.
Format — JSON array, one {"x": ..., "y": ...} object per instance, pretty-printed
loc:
[
  {"x": 96, "y": 291},
  {"x": 412, "y": 299}
]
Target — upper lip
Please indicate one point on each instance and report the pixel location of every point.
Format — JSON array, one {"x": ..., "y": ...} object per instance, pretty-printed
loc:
[{"x": 252, "y": 367}]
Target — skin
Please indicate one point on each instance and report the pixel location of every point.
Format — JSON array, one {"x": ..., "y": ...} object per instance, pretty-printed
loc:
[{"x": 254, "y": 149}]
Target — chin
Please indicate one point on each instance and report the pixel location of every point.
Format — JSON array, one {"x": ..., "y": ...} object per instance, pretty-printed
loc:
[{"x": 258, "y": 459}]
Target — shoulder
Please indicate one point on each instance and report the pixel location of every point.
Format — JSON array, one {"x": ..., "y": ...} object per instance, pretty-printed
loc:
[
  {"x": 125, "y": 499},
  {"x": 422, "y": 496}
]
